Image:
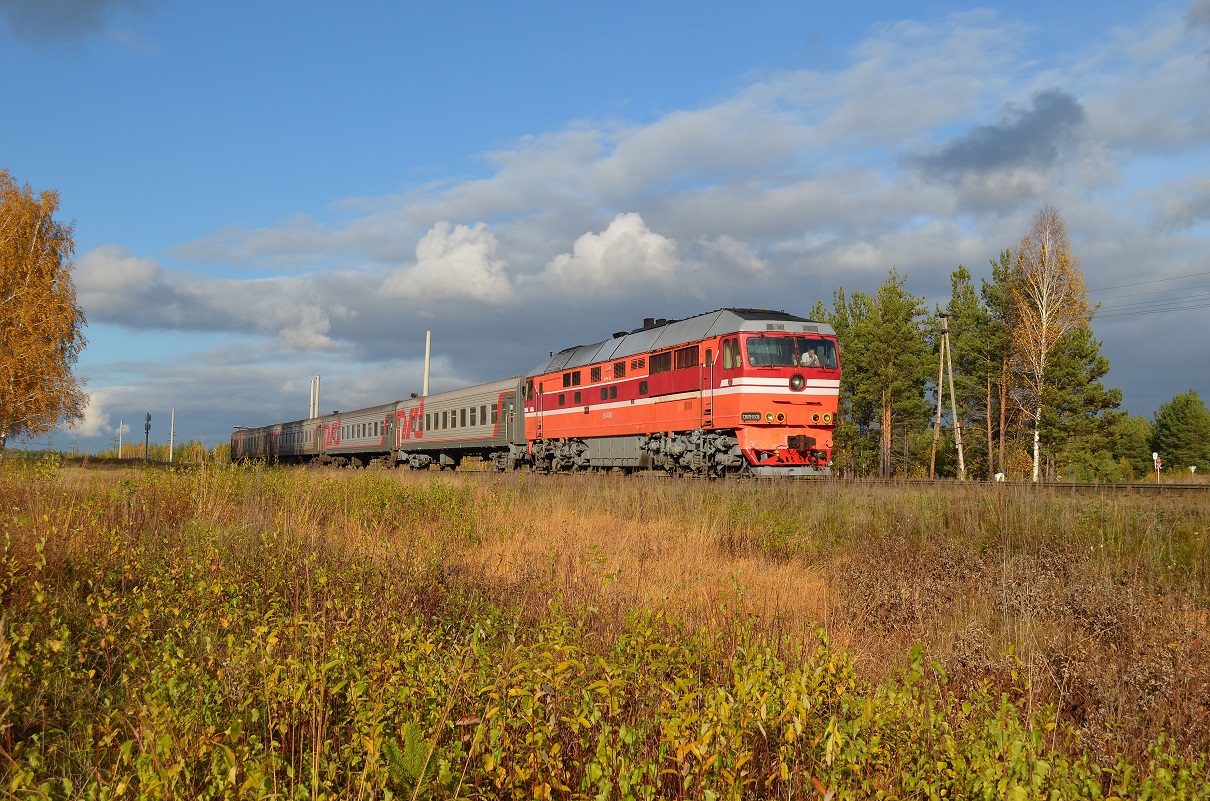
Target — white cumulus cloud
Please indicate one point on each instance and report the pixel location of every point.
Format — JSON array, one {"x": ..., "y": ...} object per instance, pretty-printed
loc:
[
  {"x": 625, "y": 254},
  {"x": 454, "y": 262}
]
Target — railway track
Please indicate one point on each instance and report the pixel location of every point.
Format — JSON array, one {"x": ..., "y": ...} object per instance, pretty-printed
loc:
[{"x": 1056, "y": 487}]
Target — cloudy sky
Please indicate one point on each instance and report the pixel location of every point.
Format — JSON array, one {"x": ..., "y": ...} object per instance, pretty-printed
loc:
[{"x": 268, "y": 191}]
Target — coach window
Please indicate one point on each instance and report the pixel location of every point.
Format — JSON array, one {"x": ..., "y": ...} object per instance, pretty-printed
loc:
[
  {"x": 463, "y": 423},
  {"x": 445, "y": 422},
  {"x": 595, "y": 376},
  {"x": 619, "y": 369},
  {"x": 483, "y": 415},
  {"x": 474, "y": 417},
  {"x": 494, "y": 407},
  {"x": 642, "y": 387}
]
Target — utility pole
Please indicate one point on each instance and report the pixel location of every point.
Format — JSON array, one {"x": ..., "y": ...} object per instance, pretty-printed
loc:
[
  {"x": 940, "y": 397},
  {"x": 428, "y": 339},
  {"x": 147, "y": 438},
  {"x": 945, "y": 360},
  {"x": 121, "y": 425},
  {"x": 949, "y": 363},
  {"x": 171, "y": 433}
]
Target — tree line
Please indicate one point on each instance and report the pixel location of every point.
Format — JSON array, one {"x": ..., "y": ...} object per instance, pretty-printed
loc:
[
  {"x": 1026, "y": 389},
  {"x": 1028, "y": 398}
]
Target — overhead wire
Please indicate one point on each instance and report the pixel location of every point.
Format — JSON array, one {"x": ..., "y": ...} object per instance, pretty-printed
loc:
[{"x": 1192, "y": 298}]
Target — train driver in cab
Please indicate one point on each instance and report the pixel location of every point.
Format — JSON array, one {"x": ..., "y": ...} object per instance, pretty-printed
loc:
[{"x": 809, "y": 359}]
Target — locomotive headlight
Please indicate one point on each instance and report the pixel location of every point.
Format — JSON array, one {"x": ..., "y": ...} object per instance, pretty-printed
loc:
[
  {"x": 797, "y": 382},
  {"x": 827, "y": 418},
  {"x": 768, "y": 417}
]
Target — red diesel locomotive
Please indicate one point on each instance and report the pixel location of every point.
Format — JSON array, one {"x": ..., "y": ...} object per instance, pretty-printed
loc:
[{"x": 730, "y": 392}]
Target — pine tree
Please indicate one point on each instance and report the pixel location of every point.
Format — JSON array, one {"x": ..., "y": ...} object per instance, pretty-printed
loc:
[
  {"x": 1182, "y": 433},
  {"x": 969, "y": 326},
  {"x": 1074, "y": 435},
  {"x": 886, "y": 360},
  {"x": 995, "y": 346}
]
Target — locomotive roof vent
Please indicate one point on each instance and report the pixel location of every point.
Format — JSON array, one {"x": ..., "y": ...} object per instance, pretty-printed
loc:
[
  {"x": 649, "y": 322},
  {"x": 662, "y": 321},
  {"x": 620, "y": 334}
]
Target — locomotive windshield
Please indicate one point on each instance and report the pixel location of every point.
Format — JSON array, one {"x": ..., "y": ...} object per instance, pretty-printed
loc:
[{"x": 765, "y": 351}]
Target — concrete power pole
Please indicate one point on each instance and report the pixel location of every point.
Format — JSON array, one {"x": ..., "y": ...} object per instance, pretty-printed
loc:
[
  {"x": 945, "y": 361},
  {"x": 428, "y": 339}
]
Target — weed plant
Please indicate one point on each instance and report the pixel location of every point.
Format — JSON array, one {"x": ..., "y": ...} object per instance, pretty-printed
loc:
[{"x": 245, "y": 632}]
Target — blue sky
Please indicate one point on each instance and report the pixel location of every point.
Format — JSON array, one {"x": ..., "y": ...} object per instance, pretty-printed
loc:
[{"x": 268, "y": 191}]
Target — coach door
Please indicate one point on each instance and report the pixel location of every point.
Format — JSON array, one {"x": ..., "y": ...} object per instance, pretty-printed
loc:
[
  {"x": 707, "y": 372},
  {"x": 508, "y": 416}
]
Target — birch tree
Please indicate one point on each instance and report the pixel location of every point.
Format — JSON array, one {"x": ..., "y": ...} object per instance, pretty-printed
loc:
[
  {"x": 1049, "y": 301},
  {"x": 40, "y": 324}
]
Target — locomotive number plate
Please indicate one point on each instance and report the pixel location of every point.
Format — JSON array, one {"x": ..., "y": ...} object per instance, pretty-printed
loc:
[{"x": 750, "y": 417}]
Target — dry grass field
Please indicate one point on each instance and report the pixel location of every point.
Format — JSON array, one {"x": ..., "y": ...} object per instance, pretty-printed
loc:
[{"x": 258, "y": 632}]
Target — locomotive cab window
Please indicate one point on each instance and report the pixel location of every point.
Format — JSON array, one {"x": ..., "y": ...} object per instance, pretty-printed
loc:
[
  {"x": 813, "y": 352},
  {"x": 766, "y": 351}
]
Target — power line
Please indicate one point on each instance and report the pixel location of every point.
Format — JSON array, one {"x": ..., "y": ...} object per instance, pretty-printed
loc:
[
  {"x": 1142, "y": 304},
  {"x": 1153, "y": 311},
  {"x": 1153, "y": 281},
  {"x": 1157, "y": 292}
]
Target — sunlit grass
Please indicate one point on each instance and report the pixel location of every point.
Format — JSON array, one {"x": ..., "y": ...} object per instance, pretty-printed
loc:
[{"x": 253, "y": 632}]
